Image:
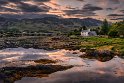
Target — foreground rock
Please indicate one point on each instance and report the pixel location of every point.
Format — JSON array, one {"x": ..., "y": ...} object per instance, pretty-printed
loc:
[
  {"x": 102, "y": 56},
  {"x": 47, "y": 43},
  {"x": 44, "y": 61},
  {"x": 12, "y": 74}
]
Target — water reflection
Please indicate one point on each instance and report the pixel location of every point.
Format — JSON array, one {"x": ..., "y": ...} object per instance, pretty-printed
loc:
[
  {"x": 85, "y": 70},
  {"x": 22, "y": 56},
  {"x": 93, "y": 72}
]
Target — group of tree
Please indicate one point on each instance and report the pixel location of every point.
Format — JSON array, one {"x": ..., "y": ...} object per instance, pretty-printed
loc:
[
  {"x": 77, "y": 31},
  {"x": 117, "y": 29},
  {"x": 112, "y": 30},
  {"x": 108, "y": 29}
]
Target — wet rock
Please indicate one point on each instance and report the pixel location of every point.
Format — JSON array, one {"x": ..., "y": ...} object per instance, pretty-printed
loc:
[{"x": 12, "y": 74}]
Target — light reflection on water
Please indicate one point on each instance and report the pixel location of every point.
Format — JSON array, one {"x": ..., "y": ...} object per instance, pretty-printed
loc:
[
  {"x": 93, "y": 72},
  {"x": 75, "y": 75},
  {"x": 84, "y": 70},
  {"x": 20, "y": 55}
]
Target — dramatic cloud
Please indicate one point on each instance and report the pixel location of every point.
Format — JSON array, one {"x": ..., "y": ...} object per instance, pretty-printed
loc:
[
  {"x": 87, "y": 10},
  {"x": 89, "y": 7},
  {"x": 117, "y": 19},
  {"x": 3, "y": 9},
  {"x": 99, "y": 9},
  {"x": 3, "y": 2},
  {"x": 122, "y": 11},
  {"x": 116, "y": 15},
  {"x": 32, "y": 8},
  {"x": 23, "y": 6},
  {"x": 115, "y": 1}
]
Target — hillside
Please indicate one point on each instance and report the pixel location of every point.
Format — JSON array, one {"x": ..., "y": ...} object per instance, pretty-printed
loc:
[{"x": 47, "y": 23}]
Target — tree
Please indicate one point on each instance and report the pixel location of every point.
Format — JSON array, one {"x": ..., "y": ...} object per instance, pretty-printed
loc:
[
  {"x": 121, "y": 30},
  {"x": 84, "y": 28},
  {"x": 117, "y": 29},
  {"x": 105, "y": 27},
  {"x": 113, "y": 34}
]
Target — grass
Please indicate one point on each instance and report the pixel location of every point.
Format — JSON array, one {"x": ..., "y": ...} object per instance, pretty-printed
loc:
[
  {"x": 102, "y": 49},
  {"x": 111, "y": 44}
]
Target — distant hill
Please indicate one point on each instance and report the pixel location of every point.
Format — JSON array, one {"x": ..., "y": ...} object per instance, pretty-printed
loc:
[{"x": 51, "y": 23}]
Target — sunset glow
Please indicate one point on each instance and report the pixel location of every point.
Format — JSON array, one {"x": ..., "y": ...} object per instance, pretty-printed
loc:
[{"x": 99, "y": 9}]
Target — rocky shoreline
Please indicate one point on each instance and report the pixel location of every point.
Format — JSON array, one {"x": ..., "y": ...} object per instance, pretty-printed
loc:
[
  {"x": 47, "y": 43},
  {"x": 12, "y": 74},
  {"x": 102, "y": 56},
  {"x": 53, "y": 43}
]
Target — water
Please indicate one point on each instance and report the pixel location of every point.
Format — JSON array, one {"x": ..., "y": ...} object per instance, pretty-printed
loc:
[{"x": 84, "y": 70}]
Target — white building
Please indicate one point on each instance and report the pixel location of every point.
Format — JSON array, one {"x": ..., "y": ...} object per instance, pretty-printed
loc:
[{"x": 86, "y": 33}]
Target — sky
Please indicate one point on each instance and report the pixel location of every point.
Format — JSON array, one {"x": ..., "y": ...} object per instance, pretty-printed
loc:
[{"x": 99, "y": 9}]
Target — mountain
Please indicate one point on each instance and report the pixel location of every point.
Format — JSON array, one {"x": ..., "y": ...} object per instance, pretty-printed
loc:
[{"x": 51, "y": 23}]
